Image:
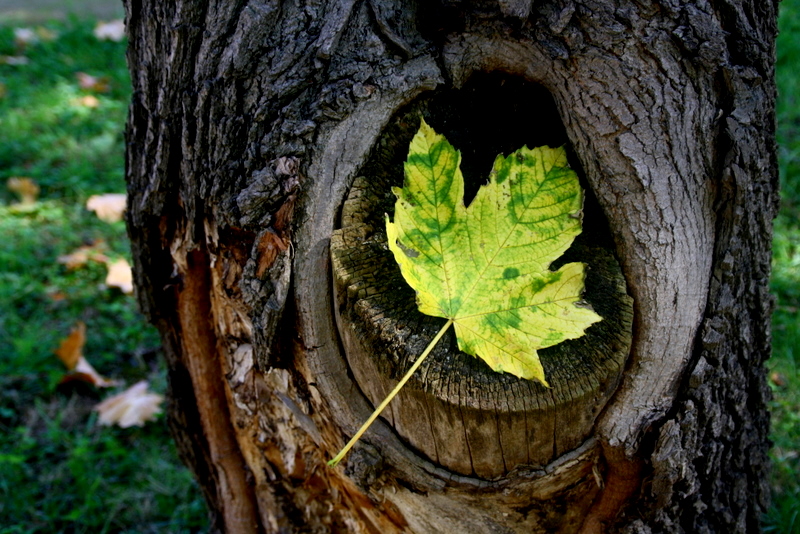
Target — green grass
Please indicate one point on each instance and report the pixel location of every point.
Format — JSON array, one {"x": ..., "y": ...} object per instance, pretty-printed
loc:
[
  {"x": 59, "y": 470},
  {"x": 785, "y": 381},
  {"x": 784, "y": 515}
]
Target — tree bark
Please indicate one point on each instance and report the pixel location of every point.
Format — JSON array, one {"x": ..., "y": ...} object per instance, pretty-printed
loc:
[{"x": 249, "y": 125}]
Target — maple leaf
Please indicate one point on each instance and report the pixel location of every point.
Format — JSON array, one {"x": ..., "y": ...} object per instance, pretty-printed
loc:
[
  {"x": 486, "y": 267},
  {"x": 133, "y": 407}
]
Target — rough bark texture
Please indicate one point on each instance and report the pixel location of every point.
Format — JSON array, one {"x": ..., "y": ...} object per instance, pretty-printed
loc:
[{"x": 250, "y": 121}]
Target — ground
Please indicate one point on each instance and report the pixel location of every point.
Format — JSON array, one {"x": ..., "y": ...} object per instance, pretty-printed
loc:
[{"x": 30, "y": 11}]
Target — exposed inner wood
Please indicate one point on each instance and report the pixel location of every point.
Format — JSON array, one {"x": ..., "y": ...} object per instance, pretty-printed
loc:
[
  {"x": 623, "y": 479},
  {"x": 208, "y": 381},
  {"x": 456, "y": 411}
]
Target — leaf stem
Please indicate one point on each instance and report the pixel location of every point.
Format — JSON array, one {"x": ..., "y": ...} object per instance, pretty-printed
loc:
[{"x": 388, "y": 399}]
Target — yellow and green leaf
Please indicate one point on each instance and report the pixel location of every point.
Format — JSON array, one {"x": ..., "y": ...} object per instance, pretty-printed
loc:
[{"x": 486, "y": 266}]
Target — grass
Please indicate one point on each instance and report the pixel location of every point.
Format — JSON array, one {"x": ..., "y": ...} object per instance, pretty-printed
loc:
[
  {"x": 785, "y": 380},
  {"x": 784, "y": 516},
  {"x": 59, "y": 470}
]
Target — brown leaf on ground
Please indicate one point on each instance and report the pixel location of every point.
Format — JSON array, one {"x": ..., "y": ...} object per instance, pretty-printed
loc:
[
  {"x": 88, "y": 101},
  {"x": 87, "y": 373},
  {"x": 108, "y": 207},
  {"x": 55, "y": 294},
  {"x": 133, "y": 407},
  {"x": 70, "y": 352},
  {"x": 75, "y": 259},
  {"x": 120, "y": 276},
  {"x": 71, "y": 349},
  {"x": 82, "y": 255},
  {"x": 95, "y": 84},
  {"x": 778, "y": 379},
  {"x": 91, "y": 377},
  {"x": 26, "y": 188}
]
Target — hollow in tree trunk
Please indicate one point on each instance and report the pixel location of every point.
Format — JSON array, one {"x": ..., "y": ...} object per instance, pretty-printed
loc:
[{"x": 263, "y": 141}]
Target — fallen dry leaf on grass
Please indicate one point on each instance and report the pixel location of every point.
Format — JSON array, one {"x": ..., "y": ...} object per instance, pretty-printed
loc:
[
  {"x": 55, "y": 294},
  {"x": 75, "y": 259},
  {"x": 108, "y": 207},
  {"x": 119, "y": 273},
  {"x": 84, "y": 371},
  {"x": 778, "y": 379},
  {"x": 133, "y": 407},
  {"x": 95, "y": 84},
  {"x": 120, "y": 276},
  {"x": 71, "y": 348},
  {"x": 14, "y": 60},
  {"x": 24, "y": 37},
  {"x": 110, "y": 31},
  {"x": 26, "y": 188},
  {"x": 70, "y": 352},
  {"x": 82, "y": 255},
  {"x": 88, "y": 101}
]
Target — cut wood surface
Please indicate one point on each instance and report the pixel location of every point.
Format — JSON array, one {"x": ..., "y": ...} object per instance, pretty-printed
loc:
[{"x": 455, "y": 404}]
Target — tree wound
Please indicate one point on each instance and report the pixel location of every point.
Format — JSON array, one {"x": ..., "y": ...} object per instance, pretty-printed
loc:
[{"x": 455, "y": 410}]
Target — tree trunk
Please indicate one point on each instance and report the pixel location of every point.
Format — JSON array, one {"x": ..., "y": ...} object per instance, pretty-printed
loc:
[{"x": 263, "y": 140}]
